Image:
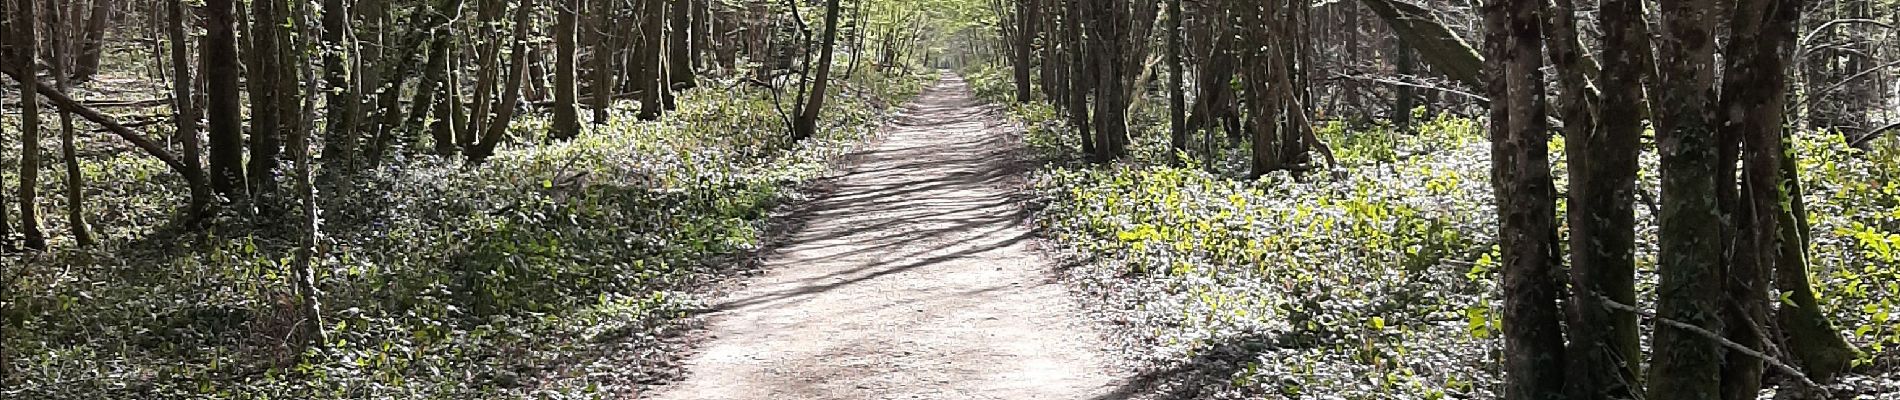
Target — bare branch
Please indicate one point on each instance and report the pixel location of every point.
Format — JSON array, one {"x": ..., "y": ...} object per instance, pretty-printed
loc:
[{"x": 1705, "y": 333}]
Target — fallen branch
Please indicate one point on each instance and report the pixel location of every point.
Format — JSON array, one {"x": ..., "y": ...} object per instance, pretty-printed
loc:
[
  {"x": 1474, "y": 96},
  {"x": 67, "y": 104},
  {"x": 127, "y": 103},
  {"x": 1717, "y": 338},
  {"x": 1873, "y": 134}
]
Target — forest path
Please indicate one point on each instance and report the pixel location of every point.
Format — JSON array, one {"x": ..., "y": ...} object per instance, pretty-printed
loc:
[{"x": 913, "y": 278}]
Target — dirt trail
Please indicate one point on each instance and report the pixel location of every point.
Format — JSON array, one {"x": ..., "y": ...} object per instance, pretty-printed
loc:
[{"x": 913, "y": 278}]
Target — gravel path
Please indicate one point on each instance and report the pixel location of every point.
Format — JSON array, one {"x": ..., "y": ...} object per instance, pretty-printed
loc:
[{"x": 913, "y": 278}]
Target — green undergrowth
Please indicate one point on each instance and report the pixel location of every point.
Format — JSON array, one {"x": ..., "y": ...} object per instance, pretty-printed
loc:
[
  {"x": 1377, "y": 281},
  {"x": 554, "y": 270}
]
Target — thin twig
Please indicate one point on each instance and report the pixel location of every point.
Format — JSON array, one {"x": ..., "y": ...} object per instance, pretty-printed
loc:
[{"x": 1474, "y": 96}]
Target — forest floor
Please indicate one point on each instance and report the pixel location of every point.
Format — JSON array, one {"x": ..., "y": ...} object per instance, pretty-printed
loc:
[{"x": 911, "y": 275}]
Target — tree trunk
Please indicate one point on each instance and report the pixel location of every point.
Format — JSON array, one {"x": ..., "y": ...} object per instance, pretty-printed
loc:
[
  {"x": 339, "y": 140},
  {"x": 1754, "y": 100},
  {"x": 1605, "y": 360},
  {"x": 263, "y": 82},
  {"x": 1687, "y": 365},
  {"x": 1079, "y": 80},
  {"x": 702, "y": 32},
  {"x": 26, "y": 51},
  {"x": 1108, "y": 28},
  {"x": 458, "y": 115},
  {"x": 75, "y": 183},
  {"x": 488, "y": 63},
  {"x": 1177, "y": 97},
  {"x": 603, "y": 85},
  {"x": 1054, "y": 60},
  {"x": 679, "y": 48},
  {"x": 431, "y": 87},
  {"x": 1812, "y": 338},
  {"x": 1025, "y": 46},
  {"x": 303, "y": 277},
  {"x": 1436, "y": 43},
  {"x": 856, "y": 39},
  {"x": 224, "y": 109},
  {"x": 186, "y": 114},
  {"x": 7, "y": 14},
  {"x": 511, "y": 94},
  {"x": 807, "y": 123},
  {"x": 567, "y": 119},
  {"x": 92, "y": 46},
  {"x": 1265, "y": 108},
  {"x": 1520, "y": 172},
  {"x": 648, "y": 61},
  {"x": 1403, "y": 100}
]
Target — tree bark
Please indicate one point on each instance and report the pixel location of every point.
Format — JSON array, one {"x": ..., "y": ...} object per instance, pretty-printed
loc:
[
  {"x": 431, "y": 87},
  {"x": 7, "y": 14},
  {"x": 1053, "y": 86},
  {"x": 302, "y": 275},
  {"x": 488, "y": 63},
  {"x": 511, "y": 94},
  {"x": 1605, "y": 360},
  {"x": 806, "y": 124},
  {"x": 567, "y": 119},
  {"x": 1436, "y": 43},
  {"x": 1025, "y": 46},
  {"x": 1533, "y": 339},
  {"x": 1812, "y": 338},
  {"x": 702, "y": 33},
  {"x": 1754, "y": 103},
  {"x": 679, "y": 62},
  {"x": 75, "y": 183},
  {"x": 26, "y": 51},
  {"x": 339, "y": 139},
  {"x": 264, "y": 83},
  {"x": 1686, "y": 365},
  {"x": 185, "y": 114},
  {"x": 1079, "y": 80},
  {"x": 648, "y": 61},
  {"x": 1265, "y": 108},
  {"x": 1403, "y": 99},
  {"x": 1177, "y": 97},
  {"x": 1108, "y": 25},
  {"x": 92, "y": 46},
  {"x": 226, "y": 124},
  {"x": 603, "y": 85}
]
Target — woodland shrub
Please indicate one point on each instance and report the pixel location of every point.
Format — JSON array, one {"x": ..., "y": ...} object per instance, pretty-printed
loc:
[
  {"x": 1380, "y": 284},
  {"x": 554, "y": 270}
]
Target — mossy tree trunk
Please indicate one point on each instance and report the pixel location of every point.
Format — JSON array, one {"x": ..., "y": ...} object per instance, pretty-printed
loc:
[
  {"x": 1811, "y": 337},
  {"x": 1534, "y": 354},
  {"x": 1685, "y": 364},
  {"x": 1602, "y": 141}
]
